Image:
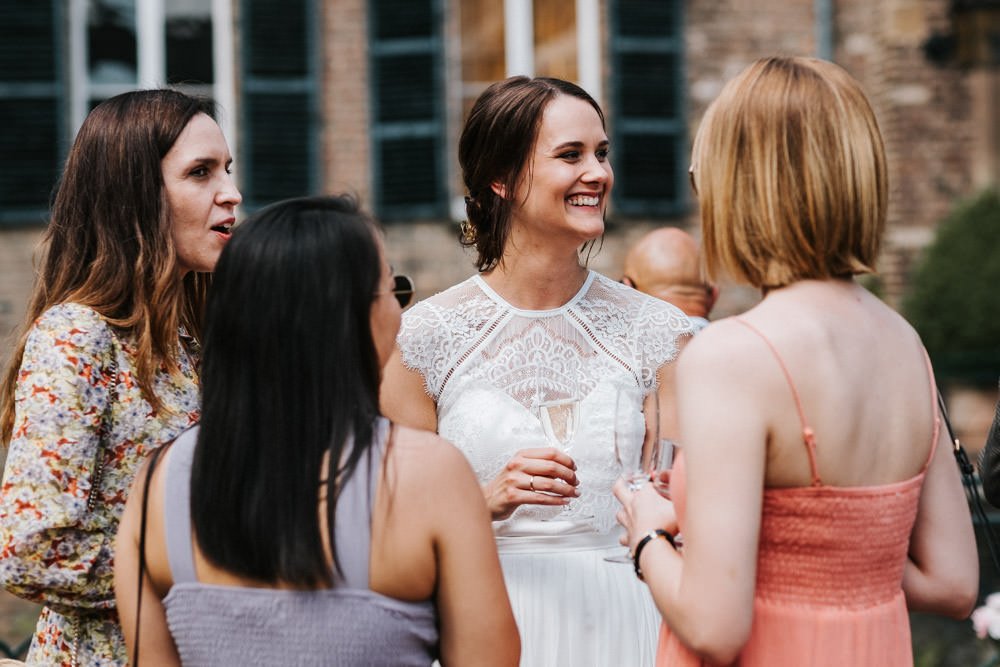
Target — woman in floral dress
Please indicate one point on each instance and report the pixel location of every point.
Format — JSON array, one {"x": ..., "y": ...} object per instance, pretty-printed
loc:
[{"x": 106, "y": 367}]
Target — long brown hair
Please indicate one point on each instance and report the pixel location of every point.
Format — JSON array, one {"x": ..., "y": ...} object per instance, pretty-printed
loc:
[{"x": 108, "y": 244}]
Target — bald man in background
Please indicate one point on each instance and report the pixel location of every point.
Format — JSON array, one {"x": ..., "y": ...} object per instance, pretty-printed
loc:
[{"x": 666, "y": 263}]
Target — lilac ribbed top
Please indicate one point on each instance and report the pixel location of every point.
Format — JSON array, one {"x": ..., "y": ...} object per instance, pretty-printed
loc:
[{"x": 347, "y": 625}]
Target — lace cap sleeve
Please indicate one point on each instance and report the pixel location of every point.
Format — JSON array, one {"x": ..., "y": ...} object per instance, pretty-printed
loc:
[
  {"x": 637, "y": 327},
  {"x": 420, "y": 340},
  {"x": 436, "y": 332},
  {"x": 663, "y": 324}
]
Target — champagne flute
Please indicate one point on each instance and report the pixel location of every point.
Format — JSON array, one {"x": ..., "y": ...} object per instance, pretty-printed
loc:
[
  {"x": 661, "y": 474},
  {"x": 560, "y": 418},
  {"x": 636, "y": 442},
  {"x": 664, "y": 463}
]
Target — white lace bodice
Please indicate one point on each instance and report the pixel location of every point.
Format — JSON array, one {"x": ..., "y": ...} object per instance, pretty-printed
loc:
[{"x": 488, "y": 365}]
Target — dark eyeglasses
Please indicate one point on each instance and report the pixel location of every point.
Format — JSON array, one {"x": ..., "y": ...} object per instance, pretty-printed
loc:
[
  {"x": 402, "y": 289},
  {"x": 694, "y": 185}
]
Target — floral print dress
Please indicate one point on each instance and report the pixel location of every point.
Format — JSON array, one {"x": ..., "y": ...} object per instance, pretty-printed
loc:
[{"x": 54, "y": 550}]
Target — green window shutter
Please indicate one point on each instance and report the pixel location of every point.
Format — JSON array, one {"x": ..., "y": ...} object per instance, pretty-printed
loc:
[
  {"x": 408, "y": 130},
  {"x": 279, "y": 101},
  {"x": 648, "y": 104},
  {"x": 31, "y": 105}
]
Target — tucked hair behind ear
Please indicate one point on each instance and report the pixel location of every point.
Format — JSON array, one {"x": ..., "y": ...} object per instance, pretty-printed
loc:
[
  {"x": 791, "y": 175},
  {"x": 494, "y": 148},
  {"x": 290, "y": 373}
]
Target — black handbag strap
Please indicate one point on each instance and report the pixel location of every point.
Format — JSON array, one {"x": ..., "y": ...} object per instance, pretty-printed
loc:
[
  {"x": 971, "y": 484},
  {"x": 154, "y": 457}
]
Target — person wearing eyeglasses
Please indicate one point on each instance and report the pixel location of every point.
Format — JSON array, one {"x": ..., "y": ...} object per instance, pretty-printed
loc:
[
  {"x": 519, "y": 367},
  {"x": 815, "y": 488},
  {"x": 666, "y": 263},
  {"x": 295, "y": 525}
]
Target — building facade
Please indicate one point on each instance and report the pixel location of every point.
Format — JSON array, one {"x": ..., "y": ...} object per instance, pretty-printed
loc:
[{"x": 369, "y": 96}]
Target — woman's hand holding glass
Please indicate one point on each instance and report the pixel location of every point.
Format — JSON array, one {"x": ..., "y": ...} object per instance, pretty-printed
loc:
[
  {"x": 542, "y": 475},
  {"x": 642, "y": 511},
  {"x": 536, "y": 476}
]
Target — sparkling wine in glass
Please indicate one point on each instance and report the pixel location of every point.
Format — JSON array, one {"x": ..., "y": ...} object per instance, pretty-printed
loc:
[{"x": 560, "y": 420}]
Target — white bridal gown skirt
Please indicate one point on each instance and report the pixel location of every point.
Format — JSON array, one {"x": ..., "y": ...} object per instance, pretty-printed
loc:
[{"x": 573, "y": 608}]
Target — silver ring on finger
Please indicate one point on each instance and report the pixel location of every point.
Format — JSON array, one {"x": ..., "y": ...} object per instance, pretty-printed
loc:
[{"x": 531, "y": 483}]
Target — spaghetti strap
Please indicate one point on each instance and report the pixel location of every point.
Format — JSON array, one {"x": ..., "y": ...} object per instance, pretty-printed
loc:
[
  {"x": 808, "y": 435},
  {"x": 935, "y": 398}
]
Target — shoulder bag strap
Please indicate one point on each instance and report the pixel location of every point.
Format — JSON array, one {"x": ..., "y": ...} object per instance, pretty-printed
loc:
[
  {"x": 971, "y": 484},
  {"x": 154, "y": 457},
  {"x": 104, "y": 436}
]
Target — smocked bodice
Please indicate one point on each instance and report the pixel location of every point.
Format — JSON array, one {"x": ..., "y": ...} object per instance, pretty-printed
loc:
[{"x": 842, "y": 547}]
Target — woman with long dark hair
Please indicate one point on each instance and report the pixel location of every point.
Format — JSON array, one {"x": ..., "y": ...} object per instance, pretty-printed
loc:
[
  {"x": 295, "y": 525},
  {"x": 106, "y": 366}
]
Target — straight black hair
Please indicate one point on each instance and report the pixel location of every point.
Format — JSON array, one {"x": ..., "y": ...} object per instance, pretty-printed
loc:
[{"x": 290, "y": 372}]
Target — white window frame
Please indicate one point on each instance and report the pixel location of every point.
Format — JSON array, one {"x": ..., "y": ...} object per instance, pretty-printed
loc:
[
  {"x": 151, "y": 59},
  {"x": 519, "y": 42}
]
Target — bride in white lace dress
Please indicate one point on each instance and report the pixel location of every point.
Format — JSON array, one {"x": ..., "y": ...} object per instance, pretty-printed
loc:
[{"x": 534, "y": 326}]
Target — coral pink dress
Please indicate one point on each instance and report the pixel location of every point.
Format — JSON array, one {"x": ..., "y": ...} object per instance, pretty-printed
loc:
[{"x": 829, "y": 570}]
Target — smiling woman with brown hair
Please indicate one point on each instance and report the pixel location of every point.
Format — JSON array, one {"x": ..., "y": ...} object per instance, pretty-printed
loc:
[{"x": 480, "y": 362}]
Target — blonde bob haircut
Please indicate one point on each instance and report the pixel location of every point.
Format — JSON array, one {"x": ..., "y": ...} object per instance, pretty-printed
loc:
[{"x": 790, "y": 173}]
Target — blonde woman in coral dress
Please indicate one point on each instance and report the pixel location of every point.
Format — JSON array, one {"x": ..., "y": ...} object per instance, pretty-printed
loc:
[{"x": 816, "y": 495}]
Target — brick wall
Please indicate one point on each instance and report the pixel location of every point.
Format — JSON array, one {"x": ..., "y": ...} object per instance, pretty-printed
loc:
[
  {"x": 16, "y": 249},
  {"x": 934, "y": 119},
  {"x": 346, "y": 154}
]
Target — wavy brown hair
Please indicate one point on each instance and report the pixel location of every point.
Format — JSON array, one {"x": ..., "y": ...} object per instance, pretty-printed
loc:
[{"x": 108, "y": 244}]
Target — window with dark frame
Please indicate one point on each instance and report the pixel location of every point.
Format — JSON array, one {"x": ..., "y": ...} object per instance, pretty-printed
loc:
[
  {"x": 279, "y": 101},
  {"x": 31, "y": 109},
  {"x": 407, "y": 102},
  {"x": 647, "y": 107}
]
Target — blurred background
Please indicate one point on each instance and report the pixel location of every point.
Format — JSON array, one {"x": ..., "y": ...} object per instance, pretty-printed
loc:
[{"x": 320, "y": 96}]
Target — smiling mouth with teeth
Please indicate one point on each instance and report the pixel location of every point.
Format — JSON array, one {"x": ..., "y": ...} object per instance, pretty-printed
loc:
[
  {"x": 584, "y": 201},
  {"x": 224, "y": 228}
]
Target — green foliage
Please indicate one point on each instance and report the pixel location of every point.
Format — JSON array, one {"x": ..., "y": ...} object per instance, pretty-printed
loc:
[
  {"x": 873, "y": 283},
  {"x": 954, "y": 299}
]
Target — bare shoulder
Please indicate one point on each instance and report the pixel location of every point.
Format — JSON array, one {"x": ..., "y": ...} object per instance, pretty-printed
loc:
[
  {"x": 424, "y": 457},
  {"x": 723, "y": 344}
]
